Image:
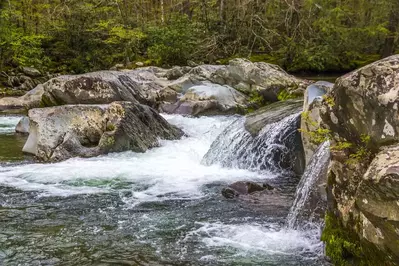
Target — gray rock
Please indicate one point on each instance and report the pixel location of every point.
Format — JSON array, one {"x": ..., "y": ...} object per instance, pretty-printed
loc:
[
  {"x": 104, "y": 87},
  {"x": 266, "y": 79},
  {"x": 311, "y": 119},
  {"x": 59, "y": 133},
  {"x": 23, "y": 125},
  {"x": 31, "y": 72},
  {"x": 209, "y": 99},
  {"x": 30, "y": 100},
  {"x": 270, "y": 114},
  {"x": 377, "y": 199},
  {"x": 362, "y": 111}
]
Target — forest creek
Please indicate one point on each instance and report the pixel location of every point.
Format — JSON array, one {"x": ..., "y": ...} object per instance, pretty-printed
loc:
[{"x": 199, "y": 132}]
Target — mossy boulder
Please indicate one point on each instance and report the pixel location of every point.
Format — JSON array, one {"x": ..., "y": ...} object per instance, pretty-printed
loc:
[{"x": 361, "y": 116}]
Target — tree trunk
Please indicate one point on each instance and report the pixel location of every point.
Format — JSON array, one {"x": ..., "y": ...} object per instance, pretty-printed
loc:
[{"x": 389, "y": 46}]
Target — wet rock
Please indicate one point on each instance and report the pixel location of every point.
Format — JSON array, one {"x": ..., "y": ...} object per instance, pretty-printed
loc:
[
  {"x": 59, "y": 133},
  {"x": 311, "y": 119},
  {"x": 242, "y": 188},
  {"x": 209, "y": 99},
  {"x": 255, "y": 122},
  {"x": 310, "y": 201},
  {"x": 23, "y": 126},
  {"x": 272, "y": 113}
]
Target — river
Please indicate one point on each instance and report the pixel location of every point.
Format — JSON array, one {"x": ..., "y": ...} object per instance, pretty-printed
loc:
[{"x": 162, "y": 207}]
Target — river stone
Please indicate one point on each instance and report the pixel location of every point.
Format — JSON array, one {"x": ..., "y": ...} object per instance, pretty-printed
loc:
[
  {"x": 23, "y": 125},
  {"x": 104, "y": 87},
  {"x": 362, "y": 109},
  {"x": 59, "y": 133},
  {"x": 242, "y": 188},
  {"x": 272, "y": 113},
  {"x": 311, "y": 119},
  {"x": 30, "y": 100},
  {"x": 209, "y": 99}
]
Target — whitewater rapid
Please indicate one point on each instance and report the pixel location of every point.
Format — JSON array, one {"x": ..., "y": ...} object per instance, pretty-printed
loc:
[{"x": 171, "y": 172}]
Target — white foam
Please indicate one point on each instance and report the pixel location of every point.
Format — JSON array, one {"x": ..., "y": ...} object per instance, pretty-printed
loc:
[
  {"x": 258, "y": 238},
  {"x": 8, "y": 124},
  {"x": 174, "y": 169}
]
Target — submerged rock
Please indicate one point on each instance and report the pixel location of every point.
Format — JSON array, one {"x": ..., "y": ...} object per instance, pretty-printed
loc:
[
  {"x": 59, "y": 133},
  {"x": 209, "y": 99},
  {"x": 362, "y": 115},
  {"x": 243, "y": 188}
]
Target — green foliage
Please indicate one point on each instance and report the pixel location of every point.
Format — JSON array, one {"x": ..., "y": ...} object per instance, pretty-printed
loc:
[
  {"x": 340, "y": 246},
  {"x": 284, "y": 95},
  {"x": 329, "y": 100},
  {"x": 80, "y": 36},
  {"x": 173, "y": 43}
]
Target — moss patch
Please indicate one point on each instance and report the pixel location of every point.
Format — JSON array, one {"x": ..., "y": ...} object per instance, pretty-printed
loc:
[{"x": 341, "y": 247}]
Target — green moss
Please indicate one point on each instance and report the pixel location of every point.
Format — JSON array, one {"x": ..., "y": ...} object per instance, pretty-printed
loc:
[
  {"x": 6, "y": 92},
  {"x": 108, "y": 141},
  {"x": 285, "y": 95},
  {"x": 341, "y": 246},
  {"x": 110, "y": 127},
  {"x": 48, "y": 102}
]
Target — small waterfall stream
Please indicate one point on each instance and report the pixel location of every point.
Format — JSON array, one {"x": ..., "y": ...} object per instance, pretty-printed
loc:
[
  {"x": 273, "y": 149},
  {"x": 308, "y": 199}
]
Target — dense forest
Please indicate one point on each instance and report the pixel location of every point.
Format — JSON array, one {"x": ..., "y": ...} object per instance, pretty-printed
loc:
[{"x": 75, "y": 36}]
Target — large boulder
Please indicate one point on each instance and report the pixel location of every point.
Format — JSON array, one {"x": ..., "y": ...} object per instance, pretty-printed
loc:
[
  {"x": 273, "y": 144},
  {"x": 30, "y": 100},
  {"x": 59, "y": 133},
  {"x": 269, "y": 81},
  {"x": 361, "y": 115},
  {"x": 104, "y": 87},
  {"x": 209, "y": 99},
  {"x": 311, "y": 119}
]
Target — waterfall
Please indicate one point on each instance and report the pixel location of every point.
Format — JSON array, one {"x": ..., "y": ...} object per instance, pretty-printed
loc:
[
  {"x": 273, "y": 149},
  {"x": 310, "y": 201}
]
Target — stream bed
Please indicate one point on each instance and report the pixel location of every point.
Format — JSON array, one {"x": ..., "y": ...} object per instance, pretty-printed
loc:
[{"x": 162, "y": 207}]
